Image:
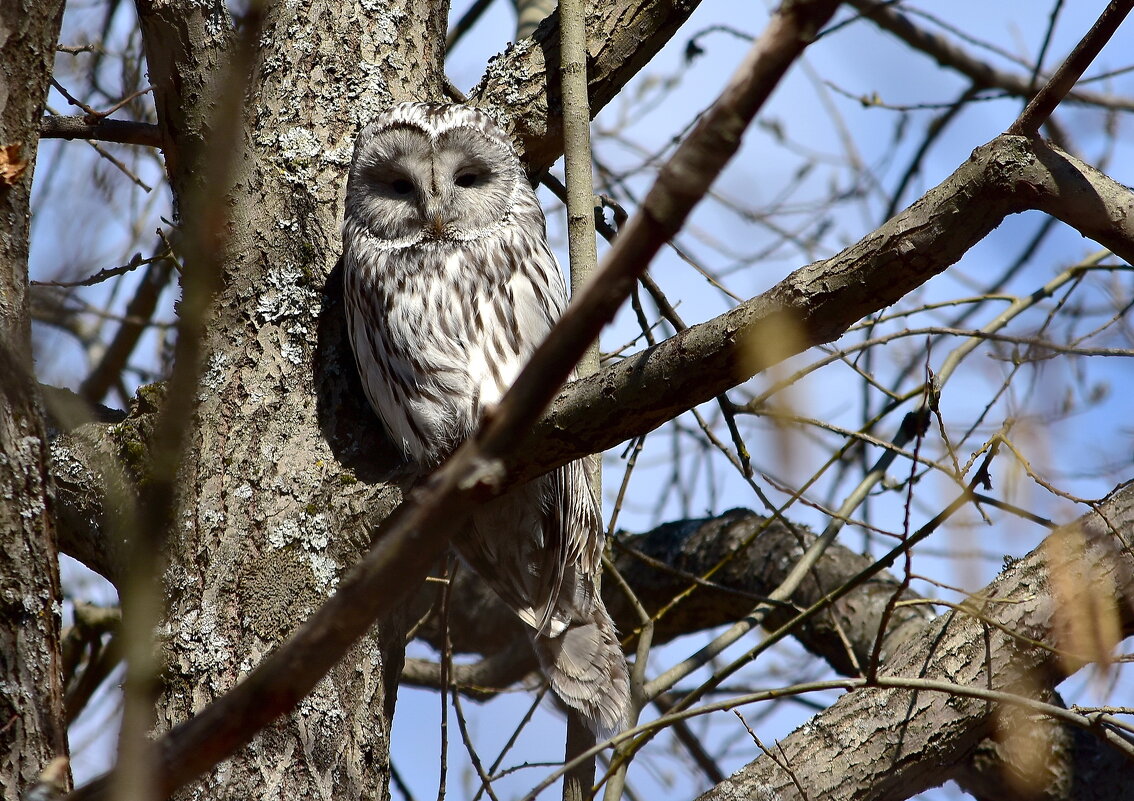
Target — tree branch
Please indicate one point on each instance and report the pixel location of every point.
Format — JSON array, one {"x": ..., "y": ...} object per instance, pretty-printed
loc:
[
  {"x": 879, "y": 744},
  {"x": 125, "y": 132},
  {"x": 980, "y": 72},
  {"x": 817, "y": 303},
  {"x": 479, "y": 680},
  {"x": 1043, "y": 104},
  {"x": 524, "y": 81}
]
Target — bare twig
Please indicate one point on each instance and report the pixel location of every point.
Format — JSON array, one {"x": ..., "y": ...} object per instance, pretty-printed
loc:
[
  {"x": 978, "y": 70},
  {"x": 124, "y": 132},
  {"x": 465, "y": 23},
  {"x": 1072, "y": 68},
  {"x": 104, "y": 274},
  {"x": 583, "y": 259}
]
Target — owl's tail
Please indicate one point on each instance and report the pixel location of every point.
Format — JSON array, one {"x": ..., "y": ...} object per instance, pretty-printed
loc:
[{"x": 587, "y": 670}]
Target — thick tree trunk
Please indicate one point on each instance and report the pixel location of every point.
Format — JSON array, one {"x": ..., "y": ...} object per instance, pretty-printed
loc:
[
  {"x": 32, "y": 731},
  {"x": 259, "y": 543}
]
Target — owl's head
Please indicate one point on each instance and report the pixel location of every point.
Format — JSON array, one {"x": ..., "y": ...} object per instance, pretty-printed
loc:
[{"x": 424, "y": 172}]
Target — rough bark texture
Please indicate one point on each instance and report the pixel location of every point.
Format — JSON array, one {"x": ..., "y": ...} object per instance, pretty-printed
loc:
[
  {"x": 32, "y": 730},
  {"x": 270, "y": 517},
  {"x": 1075, "y": 766},
  {"x": 891, "y": 743},
  {"x": 522, "y": 84}
]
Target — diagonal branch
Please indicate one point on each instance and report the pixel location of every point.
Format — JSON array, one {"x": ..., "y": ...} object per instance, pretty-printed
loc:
[
  {"x": 410, "y": 540},
  {"x": 980, "y": 72},
  {"x": 1072, "y": 68},
  {"x": 817, "y": 303}
]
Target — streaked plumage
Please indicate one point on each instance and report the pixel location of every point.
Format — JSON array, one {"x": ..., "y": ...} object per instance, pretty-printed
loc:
[{"x": 450, "y": 286}]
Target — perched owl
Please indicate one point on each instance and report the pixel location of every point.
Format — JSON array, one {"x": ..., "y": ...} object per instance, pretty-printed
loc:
[{"x": 450, "y": 286}]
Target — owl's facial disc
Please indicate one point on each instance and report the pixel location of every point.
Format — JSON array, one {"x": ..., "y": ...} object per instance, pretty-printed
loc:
[{"x": 455, "y": 186}]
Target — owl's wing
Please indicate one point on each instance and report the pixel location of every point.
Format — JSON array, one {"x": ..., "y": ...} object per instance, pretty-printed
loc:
[
  {"x": 571, "y": 548},
  {"x": 539, "y": 545}
]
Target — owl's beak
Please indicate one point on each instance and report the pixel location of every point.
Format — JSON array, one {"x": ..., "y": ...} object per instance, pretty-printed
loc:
[{"x": 434, "y": 215}]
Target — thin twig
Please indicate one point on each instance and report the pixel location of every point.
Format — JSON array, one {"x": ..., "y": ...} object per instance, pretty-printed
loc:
[
  {"x": 1072, "y": 68},
  {"x": 583, "y": 260},
  {"x": 124, "y": 132},
  {"x": 104, "y": 274}
]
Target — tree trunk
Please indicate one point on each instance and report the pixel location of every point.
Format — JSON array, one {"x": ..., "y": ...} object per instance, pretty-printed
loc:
[
  {"x": 32, "y": 731},
  {"x": 259, "y": 543}
]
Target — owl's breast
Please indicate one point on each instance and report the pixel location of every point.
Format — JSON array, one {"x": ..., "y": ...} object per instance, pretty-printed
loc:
[{"x": 451, "y": 328}]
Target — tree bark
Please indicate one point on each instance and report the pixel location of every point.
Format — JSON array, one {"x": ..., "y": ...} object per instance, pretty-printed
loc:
[
  {"x": 523, "y": 84},
  {"x": 32, "y": 729},
  {"x": 269, "y": 517}
]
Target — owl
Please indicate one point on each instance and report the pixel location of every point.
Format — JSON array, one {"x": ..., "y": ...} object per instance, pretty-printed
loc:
[{"x": 450, "y": 286}]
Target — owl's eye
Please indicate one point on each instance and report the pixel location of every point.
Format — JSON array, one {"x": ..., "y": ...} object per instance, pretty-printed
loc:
[
  {"x": 401, "y": 186},
  {"x": 466, "y": 179}
]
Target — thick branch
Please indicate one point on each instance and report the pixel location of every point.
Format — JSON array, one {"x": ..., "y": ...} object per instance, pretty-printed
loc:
[
  {"x": 1018, "y": 635},
  {"x": 663, "y": 563},
  {"x": 187, "y": 47},
  {"x": 817, "y": 303},
  {"x": 523, "y": 83},
  {"x": 479, "y": 680}
]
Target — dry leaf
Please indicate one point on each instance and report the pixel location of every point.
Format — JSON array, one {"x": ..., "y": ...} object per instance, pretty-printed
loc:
[
  {"x": 11, "y": 167},
  {"x": 1029, "y": 759},
  {"x": 778, "y": 337},
  {"x": 1086, "y": 611}
]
